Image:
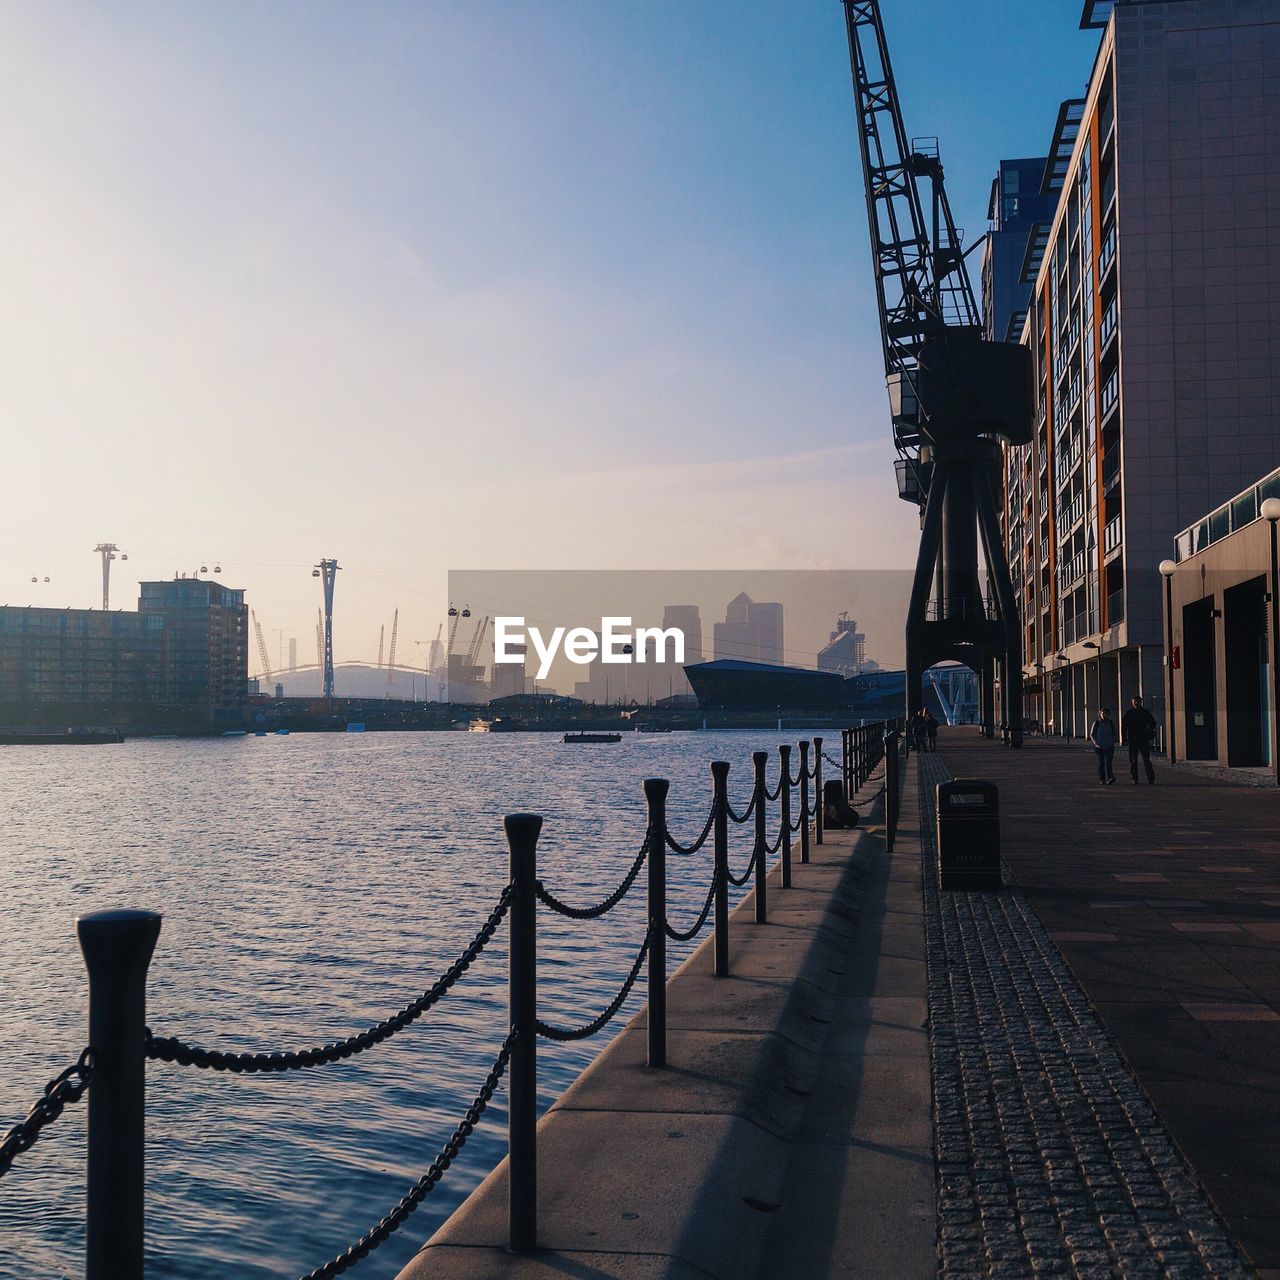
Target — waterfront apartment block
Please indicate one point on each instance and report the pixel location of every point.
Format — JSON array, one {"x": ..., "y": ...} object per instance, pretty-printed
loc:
[
  {"x": 1155, "y": 286},
  {"x": 184, "y": 650}
]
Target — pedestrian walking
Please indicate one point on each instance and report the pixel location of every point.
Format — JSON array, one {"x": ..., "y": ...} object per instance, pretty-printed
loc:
[
  {"x": 1103, "y": 736},
  {"x": 1139, "y": 730},
  {"x": 932, "y": 728},
  {"x": 920, "y": 729}
]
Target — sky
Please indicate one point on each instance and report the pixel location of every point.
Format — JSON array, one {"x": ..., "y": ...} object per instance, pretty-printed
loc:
[{"x": 538, "y": 284}]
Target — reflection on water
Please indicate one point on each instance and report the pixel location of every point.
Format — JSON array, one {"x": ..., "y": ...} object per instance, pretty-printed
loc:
[{"x": 311, "y": 885}]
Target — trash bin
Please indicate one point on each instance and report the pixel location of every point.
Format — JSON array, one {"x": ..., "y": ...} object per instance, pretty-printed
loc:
[{"x": 969, "y": 834}]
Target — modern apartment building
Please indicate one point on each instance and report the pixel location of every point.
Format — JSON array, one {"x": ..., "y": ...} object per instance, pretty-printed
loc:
[
  {"x": 185, "y": 650},
  {"x": 1155, "y": 286}
]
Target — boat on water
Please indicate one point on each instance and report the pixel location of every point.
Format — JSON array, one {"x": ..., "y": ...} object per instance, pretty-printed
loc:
[
  {"x": 479, "y": 726},
  {"x": 68, "y": 737},
  {"x": 593, "y": 737},
  {"x": 235, "y": 733}
]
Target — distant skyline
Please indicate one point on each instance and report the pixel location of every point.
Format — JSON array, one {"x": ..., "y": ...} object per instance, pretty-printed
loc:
[{"x": 445, "y": 286}]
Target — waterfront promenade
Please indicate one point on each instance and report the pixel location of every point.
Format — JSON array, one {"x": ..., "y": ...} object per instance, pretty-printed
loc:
[
  {"x": 789, "y": 1134},
  {"x": 1076, "y": 1076}
]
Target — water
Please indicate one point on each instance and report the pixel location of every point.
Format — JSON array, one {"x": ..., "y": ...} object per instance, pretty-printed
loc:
[{"x": 311, "y": 885}]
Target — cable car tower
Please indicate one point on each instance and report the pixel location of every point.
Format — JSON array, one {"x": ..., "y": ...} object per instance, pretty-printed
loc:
[
  {"x": 327, "y": 570},
  {"x": 953, "y": 396}
]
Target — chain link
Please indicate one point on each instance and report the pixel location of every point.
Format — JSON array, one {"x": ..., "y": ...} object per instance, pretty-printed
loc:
[
  {"x": 549, "y": 899},
  {"x": 188, "y": 1055},
  {"x": 67, "y": 1086},
  {"x": 751, "y": 808},
  {"x": 746, "y": 875},
  {"x": 598, "y": 1024},
  {"x": 676, "y": 847},
  {"x": 426, "y": 1184},
  {"x": 677, "y": 935}
]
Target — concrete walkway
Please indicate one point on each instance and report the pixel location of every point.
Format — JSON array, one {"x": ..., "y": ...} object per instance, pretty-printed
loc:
[
  {"x": 790, "y": 1136},
  {"x": 1164, "y": 901}
]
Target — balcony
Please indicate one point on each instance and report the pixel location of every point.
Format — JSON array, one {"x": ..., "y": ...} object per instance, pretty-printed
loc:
[
  {"x": 1107, "y": 255},
  {"x": 1115, "y": 607},
  {"x": 1110, "y": 394},
  {"x": 1113, "y": 535},
  {"x": 1110, "y": 470}
]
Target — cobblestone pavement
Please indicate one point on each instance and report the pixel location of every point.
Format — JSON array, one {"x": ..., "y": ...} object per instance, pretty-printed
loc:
[{"x": 1051, "y": 1160}]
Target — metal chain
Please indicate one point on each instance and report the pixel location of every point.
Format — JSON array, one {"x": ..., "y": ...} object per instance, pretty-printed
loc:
[
  {"x": 676, "y": 935},
  {"x": 549, "y": 899},
  {"x": 771, "y": 849},
  {"x": 751, "y": 808},
  {"x": 746, "y": 875},
  {"x": 597, "y": 1024},
  {"x": 67, "y": 1086},
  {"x": 187, "y": 1055},
  {"x": 676, "y": 847},
  {"x": 424, "y": 1186}
]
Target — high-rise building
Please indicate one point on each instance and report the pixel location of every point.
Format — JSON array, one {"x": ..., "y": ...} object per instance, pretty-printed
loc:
[
  {"x": 509, "y": 678},
  {"x": 206, "y": 640},
  {"x": 1023, "y": 199},
  {"x": 750, "y": 632},
  {"x": 846, "y": 650},
  {"x": 1157, "y": 398}
]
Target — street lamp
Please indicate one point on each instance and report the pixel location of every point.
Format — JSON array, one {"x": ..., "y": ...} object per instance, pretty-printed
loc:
[
  {"x": 1270, "y": 511},
  {"x": 1167, "y": 570}
]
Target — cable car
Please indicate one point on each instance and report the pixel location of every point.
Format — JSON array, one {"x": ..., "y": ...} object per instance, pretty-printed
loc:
[
  {"x": 466, "y": 613},
  {"x": 217, "y": 568},
  {"x": 35, "y": 579},
  {"x": 315, "y": 573},
  {"x": 124, "y": 555},
  {"x": 453, "y": 613},
  {"x": 46, "y": 579}
]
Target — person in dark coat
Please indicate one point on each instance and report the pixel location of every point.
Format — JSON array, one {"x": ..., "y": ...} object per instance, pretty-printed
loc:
[
  {"x": 1103, "y": 737},
  {"x": 1139, "y": 730},
  {"x": 932, "y": 728}
]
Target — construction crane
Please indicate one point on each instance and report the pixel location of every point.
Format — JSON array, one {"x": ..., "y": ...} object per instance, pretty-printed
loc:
[
  {"x": 477, "y": 640},
  {"x": 108, "y": 551},
  {"x": 433, "y": 652},
  {"x": 262, "y": 646},
  {"x": 954, "y": 397},
  {"x": 391, "y": 655}
]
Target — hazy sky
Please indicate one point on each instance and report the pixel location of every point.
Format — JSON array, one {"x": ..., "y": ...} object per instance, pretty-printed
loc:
[{"x": 530, "y": 284}]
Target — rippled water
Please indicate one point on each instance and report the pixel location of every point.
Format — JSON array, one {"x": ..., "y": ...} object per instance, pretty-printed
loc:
[{"x": 310, "y": 885}]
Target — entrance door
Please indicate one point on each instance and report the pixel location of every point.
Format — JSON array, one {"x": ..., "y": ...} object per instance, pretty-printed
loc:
[
  {"x": 1200, "y": 680},
  {"x": 1245, "y": 636}
]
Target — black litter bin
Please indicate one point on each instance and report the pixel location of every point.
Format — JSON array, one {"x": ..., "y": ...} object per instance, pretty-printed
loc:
[{"x": 969, "y": 834}]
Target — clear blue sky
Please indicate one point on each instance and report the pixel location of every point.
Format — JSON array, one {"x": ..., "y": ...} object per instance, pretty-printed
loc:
[{"x": 421, "y": 285}]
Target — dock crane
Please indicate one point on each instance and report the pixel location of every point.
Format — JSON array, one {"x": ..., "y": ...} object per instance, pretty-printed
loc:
[
  {"x": 454, "y": 617},
  {"x": 954, "y": 397}
]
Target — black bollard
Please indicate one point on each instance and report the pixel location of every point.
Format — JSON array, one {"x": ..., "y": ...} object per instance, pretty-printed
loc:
[
  {"x": 522, "y": 1081},
  {"x": 655, "y": 792},
  {"x": 720, "y": 867},
  {"x": 804, "y": 802},
  {"x": 784, "y": 792},
  {"x": 760, "y": 760},
  {"x": 117, "y": 948},
  {"x": 817, "y": 791}
]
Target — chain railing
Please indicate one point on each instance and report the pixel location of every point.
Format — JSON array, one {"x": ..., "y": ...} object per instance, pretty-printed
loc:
[{"x": 118, "y": 945}]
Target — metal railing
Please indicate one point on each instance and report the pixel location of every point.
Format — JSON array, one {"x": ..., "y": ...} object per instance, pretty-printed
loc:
[{"x": 118, "y": 945}]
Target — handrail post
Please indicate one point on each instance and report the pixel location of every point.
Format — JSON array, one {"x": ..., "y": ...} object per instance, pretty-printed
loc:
[
  {"x": 655, "y": 792},
  {"x": 891, "y": 787},
  {"x": 522, "y": 1117},
  {"x": 846, "y": 763},
  {"x": 720, "y": 822},
  {"x": 117, "y": 948},
  {"x": 818, "y": 802},
  {"x": 784, "y": 785},
  {"x": 760, "y": 760},
  {"x": 804, "y": 801}
]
